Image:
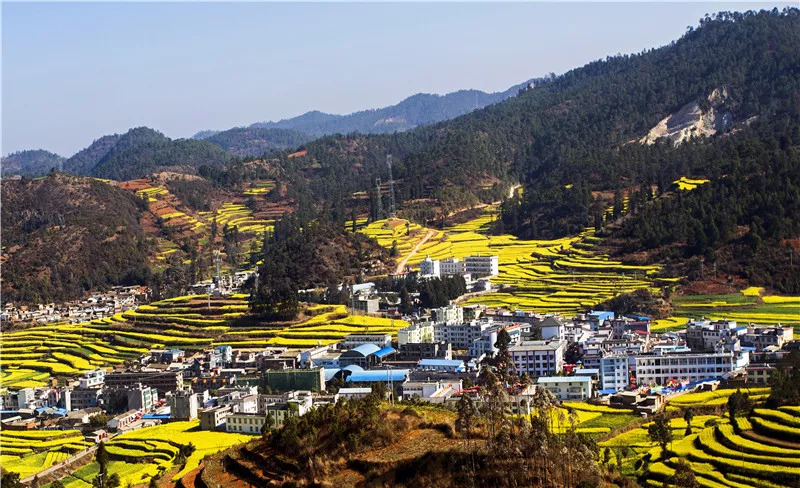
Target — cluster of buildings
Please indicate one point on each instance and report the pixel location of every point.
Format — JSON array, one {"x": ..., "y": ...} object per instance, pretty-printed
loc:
[
  {"x": 97, "y": 306},
  {"x": 437, "y": 358},
  {"x": 471, "y": 267}
]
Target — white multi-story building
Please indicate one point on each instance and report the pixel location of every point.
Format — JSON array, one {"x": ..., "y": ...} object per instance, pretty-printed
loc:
[
  {"x": 451, "y": 314},
  {"x": 452, "y": 266},
  {"x": 245, "y": 404},
  {"x": 761, "y": 337},
  {"x": 539, "y": 358},
  {"x": 614, "y": 372},
  {"x": 460, "y": 336},
  {"x": 16, "y": 399},
  {"x": 352, "y": 341},
  {"x": 415, "y": 334},
  {"x": 481, "y": 265},
  {"x": 552, "y": 328},
  {"x": 567, "y": 387},
  {"x": 659, "y": 369},
  {"x": 245, "y": 423},
  {"x": 431, "y": 391},
  {"x": 429, "y": 267},
  {"x": 707, "y": 335},
  {"x": 93, "y": 379}
]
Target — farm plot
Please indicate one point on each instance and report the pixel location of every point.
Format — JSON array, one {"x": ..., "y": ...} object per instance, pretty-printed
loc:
[
  {"x": 564, "y": 275},
  {"x": 30, "y": 452},
  {"x": 722, "y": 454},
  {"x": 33, "y": 355},
  {"x": 745, "y": 307}
]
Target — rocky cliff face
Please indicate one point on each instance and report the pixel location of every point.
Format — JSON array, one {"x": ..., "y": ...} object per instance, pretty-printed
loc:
[{"x": 694, "y": 120}]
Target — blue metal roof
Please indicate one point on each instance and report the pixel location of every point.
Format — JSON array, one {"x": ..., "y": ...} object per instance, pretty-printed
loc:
[
  {"x": 445, "y": 363},
  {"x": 385, "y": 351},
  {"x": 610, "y": 391},
  {"x": 643, "y": 318},
  {"x": 378, "y": 375},
  {"x": 155, "y": 416},
  {"x": 330, "y": 373},
  {"x": 366, "y": 349}
]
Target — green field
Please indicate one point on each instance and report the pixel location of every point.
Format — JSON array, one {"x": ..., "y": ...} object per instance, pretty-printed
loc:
[{"x": 762, "y": 450}]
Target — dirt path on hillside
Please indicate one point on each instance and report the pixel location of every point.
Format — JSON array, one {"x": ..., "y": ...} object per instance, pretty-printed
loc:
[
  {"x": 511, "y": 192},
  {"x": 402, "y": 264}
]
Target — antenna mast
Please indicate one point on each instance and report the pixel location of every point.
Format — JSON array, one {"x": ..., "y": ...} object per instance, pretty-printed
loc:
[
  {"x": 378, "y": 198},
  {"x": 392, "y": 208},
  {"x": 218, "y": 262}
]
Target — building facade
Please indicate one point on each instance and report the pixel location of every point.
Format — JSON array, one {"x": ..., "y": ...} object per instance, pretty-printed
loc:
[
  {"x": 481, "y": 265},
  {"x": 567, "y": 388},
  {"x": 660, "y": 369},
  {"x": 539, "y": 358},
  {"x": 415, "y": 333}
]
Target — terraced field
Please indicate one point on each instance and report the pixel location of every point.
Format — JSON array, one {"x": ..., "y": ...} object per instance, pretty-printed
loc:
[
  {"x": 191, "y": 322},
  {"x": 156, "y": 448},
  {"x": 31, "y": 452},
  {"x": 135, "y": 456},
  {"x": 565, "y": 275},
  {"x": 760, "y": 451},
  {"x": 748, "y": 306}
]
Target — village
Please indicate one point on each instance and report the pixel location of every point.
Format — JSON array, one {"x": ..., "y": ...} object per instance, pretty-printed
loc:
[{"x": 596, "y": 357}]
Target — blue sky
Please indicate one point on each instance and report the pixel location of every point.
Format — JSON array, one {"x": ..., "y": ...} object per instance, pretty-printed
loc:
[{"x": 73, "y": 72}]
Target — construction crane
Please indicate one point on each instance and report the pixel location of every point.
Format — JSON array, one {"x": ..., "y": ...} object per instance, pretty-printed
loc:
[{"x": 392, "y": 207}]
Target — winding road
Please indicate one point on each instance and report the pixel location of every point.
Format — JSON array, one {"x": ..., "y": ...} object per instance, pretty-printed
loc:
[{"x": 402, "y": 264}]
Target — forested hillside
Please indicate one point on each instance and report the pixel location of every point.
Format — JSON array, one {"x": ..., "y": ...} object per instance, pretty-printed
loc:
[
  {"x": 30, "y": 163},
  {"x": 67, "y": 235},
  {"x": 579, "y": 129},
  {"x": 243, "y": 141},
  {"x": 142, "y": 151}
]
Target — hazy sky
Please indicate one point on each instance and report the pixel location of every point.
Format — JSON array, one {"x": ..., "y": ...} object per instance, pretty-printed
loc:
[{"x": 73, "y": 72}]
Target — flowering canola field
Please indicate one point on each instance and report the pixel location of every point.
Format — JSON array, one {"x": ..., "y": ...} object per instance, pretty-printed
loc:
[{"x": 565, "y": 275}]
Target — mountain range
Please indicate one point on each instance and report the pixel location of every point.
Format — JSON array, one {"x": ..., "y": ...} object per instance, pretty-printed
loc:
[
  {"x": 145, "y": 150},
  {"x": 719, "y": 104}
]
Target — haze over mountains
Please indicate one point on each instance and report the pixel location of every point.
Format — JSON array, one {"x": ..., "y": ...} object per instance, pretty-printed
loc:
[
  {"x": 416, "y": 110},
  {"x": 141, "y": 145}
]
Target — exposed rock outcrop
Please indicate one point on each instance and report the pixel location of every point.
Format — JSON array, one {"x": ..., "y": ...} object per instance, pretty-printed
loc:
[{"x": 695, "y": 120}]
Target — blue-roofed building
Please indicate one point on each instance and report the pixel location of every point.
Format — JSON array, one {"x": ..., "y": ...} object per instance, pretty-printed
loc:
[
  {"x": 363, "y": 355},
  {"x": 379, "y": 375},
  {"x": 453, "y": 365},
  {"x": 385, "y": 353},
  {"x": 643, "y": 318}
]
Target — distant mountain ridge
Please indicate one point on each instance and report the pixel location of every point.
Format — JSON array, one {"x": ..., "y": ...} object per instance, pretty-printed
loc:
[
  {"x": 416, "y": 110},
  {"x": 30, "y": 163}
]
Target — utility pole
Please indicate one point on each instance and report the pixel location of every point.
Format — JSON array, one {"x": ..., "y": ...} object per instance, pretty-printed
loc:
[{"x": 392, "y": 208}]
